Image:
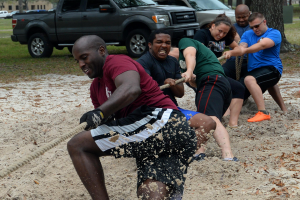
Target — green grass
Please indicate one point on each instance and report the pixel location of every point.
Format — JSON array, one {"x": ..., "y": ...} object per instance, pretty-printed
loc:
[
  {"x": 292, "y": 32},
  {"x": 16, "y": 64},
  {"x": 5, "y": 24},
  {"x": 5, "y": 34}
]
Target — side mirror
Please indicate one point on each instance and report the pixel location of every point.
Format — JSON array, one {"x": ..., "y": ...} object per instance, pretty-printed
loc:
[{"x": 106, "y": 8}]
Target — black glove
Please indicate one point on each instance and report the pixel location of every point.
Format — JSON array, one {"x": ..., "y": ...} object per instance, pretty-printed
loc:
[{"x": 92, "y": 118}]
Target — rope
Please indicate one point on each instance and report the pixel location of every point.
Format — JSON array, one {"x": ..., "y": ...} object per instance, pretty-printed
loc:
[
  {"x": 238, "y": 67},
  {"x": 39, "y": 152},
  {"x": 176, "y": 82},
  {"x": 55, "y": 142}
]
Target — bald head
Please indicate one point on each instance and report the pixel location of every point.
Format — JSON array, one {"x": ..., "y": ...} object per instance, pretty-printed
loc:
[
  {"x": 242, "y": 8},
  {"x": 242, "y": 14},
  {"x": 88, "y": 42}
]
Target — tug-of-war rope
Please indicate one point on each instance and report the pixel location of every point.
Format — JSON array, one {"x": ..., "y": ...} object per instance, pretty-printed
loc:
[{"x": 55, "y": 142}]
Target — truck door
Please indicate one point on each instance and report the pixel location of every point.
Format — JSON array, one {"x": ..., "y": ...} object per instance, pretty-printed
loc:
[
  {"x": 106, "y": 25},
  {"x": 68, "y": 21}
]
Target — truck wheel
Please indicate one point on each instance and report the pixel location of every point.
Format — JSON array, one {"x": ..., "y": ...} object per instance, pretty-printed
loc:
[
  {"x": 39, "y": 46},
  {"x": 137, "y": 42}
]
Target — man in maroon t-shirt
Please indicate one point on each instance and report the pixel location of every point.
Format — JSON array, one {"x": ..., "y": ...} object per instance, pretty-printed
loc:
[{"x": 147, "y": 125}]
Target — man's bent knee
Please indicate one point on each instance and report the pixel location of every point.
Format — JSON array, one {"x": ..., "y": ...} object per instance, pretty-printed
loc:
[
  {"x": 249, "y": 80},
  {"x": 83, "y": 142}
]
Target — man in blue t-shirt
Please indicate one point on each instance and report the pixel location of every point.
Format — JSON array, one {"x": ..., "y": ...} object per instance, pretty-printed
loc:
[
  {"x": 262, "y": 44},
  {"x": 242, "y": 14}
]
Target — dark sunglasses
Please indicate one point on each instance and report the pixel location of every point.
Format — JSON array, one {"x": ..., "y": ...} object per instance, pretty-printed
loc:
[{"x": 257, "y": 25}]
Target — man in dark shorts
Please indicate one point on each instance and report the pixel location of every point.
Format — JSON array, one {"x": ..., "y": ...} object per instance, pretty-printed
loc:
[
  {"x": 213, "y": 95},
  {"x": 242, "y": 14},
  {"x": 147, "y": 125},
  {"x": 264, "y": 64},
  {"x": 164, "y": 69}
]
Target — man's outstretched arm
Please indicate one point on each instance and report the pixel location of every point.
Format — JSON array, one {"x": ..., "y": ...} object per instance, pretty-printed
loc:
[{"x": 264, "y": 43}]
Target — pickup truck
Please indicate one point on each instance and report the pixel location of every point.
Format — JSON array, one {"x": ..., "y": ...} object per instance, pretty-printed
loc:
[
  {"x": 206, "y": 10},
  {"x": 119, "y": 22}
]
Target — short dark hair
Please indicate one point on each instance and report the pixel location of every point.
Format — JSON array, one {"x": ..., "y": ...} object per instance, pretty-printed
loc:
[
  {"x": 255, "y": 15},
  {"x": 158, "y": 31},
  {"x": 223, "y": 19}
]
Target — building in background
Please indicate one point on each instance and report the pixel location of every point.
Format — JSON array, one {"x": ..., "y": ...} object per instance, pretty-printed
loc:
[{"x": 31, "y": 5}]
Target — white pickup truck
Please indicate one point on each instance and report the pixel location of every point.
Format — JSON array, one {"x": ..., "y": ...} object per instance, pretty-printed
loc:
[{"x": 206, "y": 10}]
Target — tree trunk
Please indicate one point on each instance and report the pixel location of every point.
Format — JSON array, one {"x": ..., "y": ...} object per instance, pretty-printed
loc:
[
  {"x": 238, "y": 2},
  {"x": 284, "y": 2},
  {"x": 290, "y": 2},
  {"x": 273, "y": 12},
  {"x": 20, "y": 6},
  {"x": 248, "y": 3}
]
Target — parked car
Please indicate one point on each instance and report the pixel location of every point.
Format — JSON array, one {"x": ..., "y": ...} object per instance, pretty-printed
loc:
[
  {"x": 29, "y": 11},
  {"x": 9, "y": 15},
  {"x": 118, "y": 22},
  {"x": 206, "y": 10},
  {"x": 3, "y": 13}
]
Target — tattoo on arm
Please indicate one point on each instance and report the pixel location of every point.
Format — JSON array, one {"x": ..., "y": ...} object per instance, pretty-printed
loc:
[{"x": 244, "y": 44}]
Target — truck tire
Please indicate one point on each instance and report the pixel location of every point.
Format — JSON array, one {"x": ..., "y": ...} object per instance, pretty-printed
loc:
[
  {"x": 39, "y": 46},
  {"x": 137, "y": 42}
]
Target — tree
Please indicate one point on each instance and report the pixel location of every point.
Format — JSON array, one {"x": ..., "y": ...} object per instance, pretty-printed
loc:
[
  {"x": 238, "y": 2},
  {"x": 20, "y": 6},
  {"x": 273, "y": 12},
  {"x": 248, "y": 3}
]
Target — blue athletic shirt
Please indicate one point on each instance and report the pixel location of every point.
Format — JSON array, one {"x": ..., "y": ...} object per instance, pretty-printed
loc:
[
  {"x": 266, "y": 57},
  {"x": 240, "y": 30}
]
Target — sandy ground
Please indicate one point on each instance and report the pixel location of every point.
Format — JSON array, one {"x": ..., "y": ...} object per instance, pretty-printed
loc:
[{"x": 35, "y": 113}]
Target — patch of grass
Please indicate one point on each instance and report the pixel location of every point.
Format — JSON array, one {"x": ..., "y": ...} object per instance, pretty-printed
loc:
[
  {"x": 292, "y": 32},
  {"x": 5, "y": 34},
  {"x": 16, "y": 64},
  {"x": 5, "y": 24}
]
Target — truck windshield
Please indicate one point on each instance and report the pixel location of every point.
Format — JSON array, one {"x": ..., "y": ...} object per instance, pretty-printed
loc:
[
  {"x": 207, "y": 5},
  {"x": 133, "y": 3}
]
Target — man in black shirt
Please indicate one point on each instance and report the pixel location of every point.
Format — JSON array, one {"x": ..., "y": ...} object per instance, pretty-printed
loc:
[{"x": 165, "y": 69}]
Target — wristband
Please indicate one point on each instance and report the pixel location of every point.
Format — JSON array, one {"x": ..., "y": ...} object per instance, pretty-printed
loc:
[{"x": 100, "y": 113}]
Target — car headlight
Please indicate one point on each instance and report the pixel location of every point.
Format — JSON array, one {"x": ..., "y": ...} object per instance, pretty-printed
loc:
[{"x": 161, "y": 19}]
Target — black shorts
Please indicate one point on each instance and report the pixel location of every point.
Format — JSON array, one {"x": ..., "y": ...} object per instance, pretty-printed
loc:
[
  {"x": 237, "y": 89},
  {"x": 266, "y": 77},
  {"x": 230, "y": 70},
  {"x": 213, "y": 96},
  {"x": 161, "y": 140}
]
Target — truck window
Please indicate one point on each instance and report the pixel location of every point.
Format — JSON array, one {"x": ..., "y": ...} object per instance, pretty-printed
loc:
[
  {"x": 93, "y": 5},
  {"x": 133, "y": 3},
  {"x": 71, "y": 6},
  {"x": 176, "y": 3}
]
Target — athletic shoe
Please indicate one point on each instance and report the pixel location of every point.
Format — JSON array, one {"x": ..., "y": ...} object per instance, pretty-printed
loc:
[
  {"x": 235, "y": 159},
  {"x": 259, "y": 116},
  {"x": 199, "y": 157}
]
